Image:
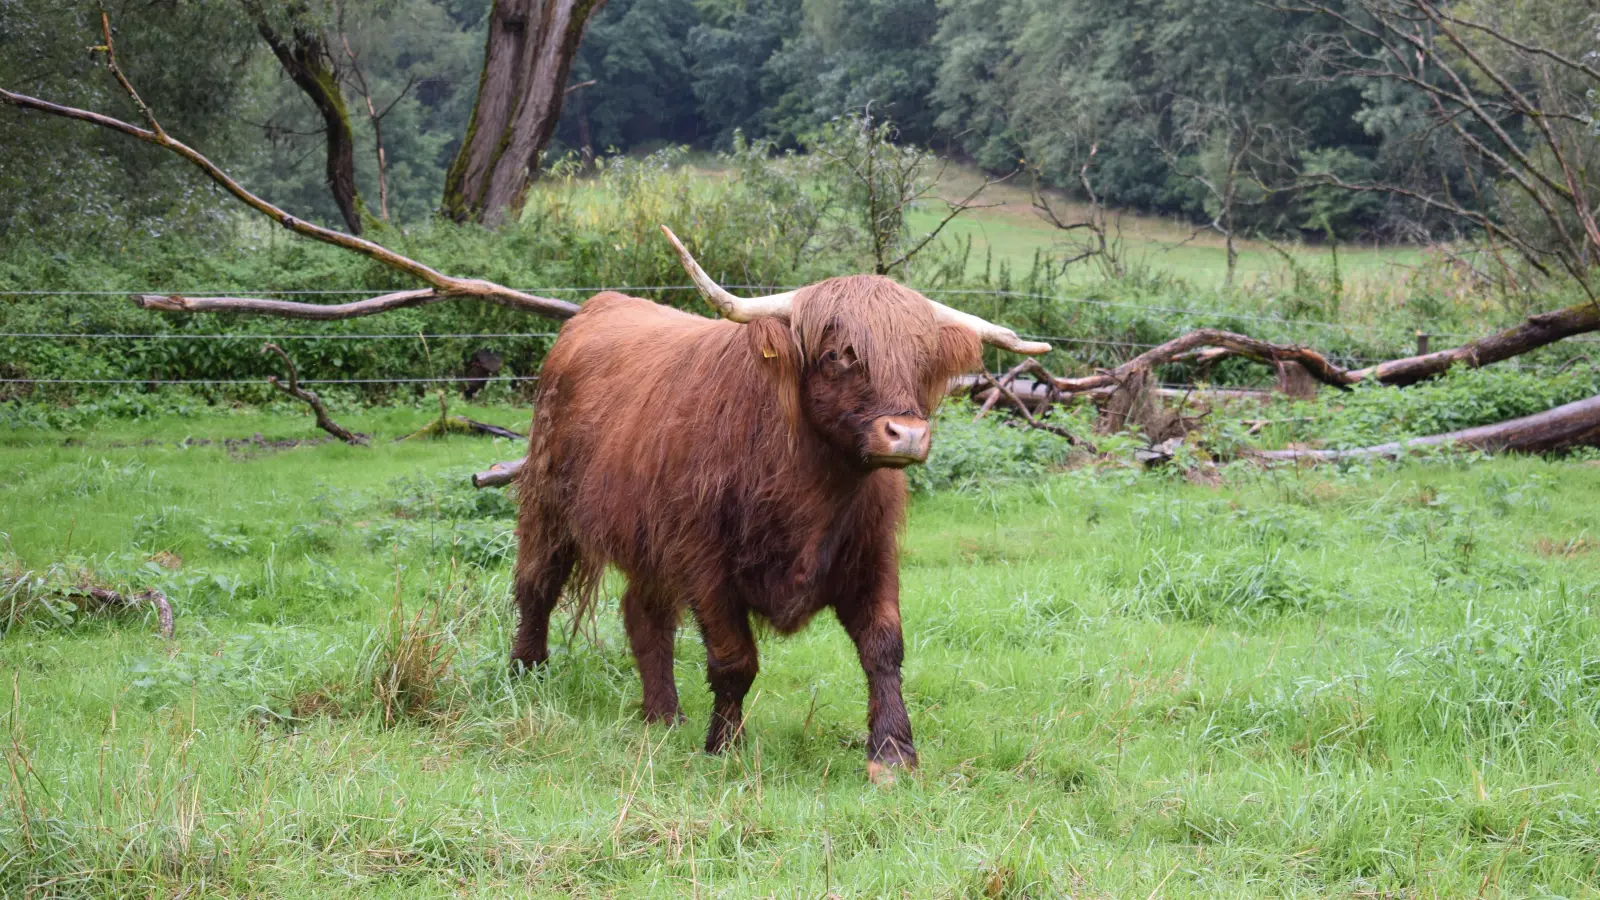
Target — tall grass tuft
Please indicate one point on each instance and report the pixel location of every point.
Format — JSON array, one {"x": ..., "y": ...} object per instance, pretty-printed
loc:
[{"x": 408, "y": 663}]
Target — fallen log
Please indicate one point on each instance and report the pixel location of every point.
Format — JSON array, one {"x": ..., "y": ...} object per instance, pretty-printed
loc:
[
  {"x": 1125, "y": 394},
  {"x": 498, "y": 474},
  {"x": 151, "y": 596},
  {"x": 1575, "y": 424}
]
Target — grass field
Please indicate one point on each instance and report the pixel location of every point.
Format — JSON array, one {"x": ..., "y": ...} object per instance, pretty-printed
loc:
[
  {"x": 1368, "y": 683},
  {"x": 1010, "y": 231}
]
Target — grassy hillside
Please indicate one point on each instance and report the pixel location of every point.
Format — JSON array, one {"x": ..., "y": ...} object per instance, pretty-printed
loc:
[
  {"x": 1376, "y": 683},
  {"x": 1011, "y": 231}
]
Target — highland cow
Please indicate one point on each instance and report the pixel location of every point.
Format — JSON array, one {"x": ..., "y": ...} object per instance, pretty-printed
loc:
[{"x": 739, "y": 469}]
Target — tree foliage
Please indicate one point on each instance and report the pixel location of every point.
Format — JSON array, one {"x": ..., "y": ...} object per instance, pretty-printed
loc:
[
  {"x": 57, "y": 178},
  {"x": 1211, "y": 110}
]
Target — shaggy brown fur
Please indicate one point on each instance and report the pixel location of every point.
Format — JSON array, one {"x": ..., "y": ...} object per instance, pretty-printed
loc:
[{"x": 733, "y": 470}]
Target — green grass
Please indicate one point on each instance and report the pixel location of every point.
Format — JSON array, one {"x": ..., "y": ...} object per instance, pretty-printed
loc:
[{"x": 1376, "y": 682}]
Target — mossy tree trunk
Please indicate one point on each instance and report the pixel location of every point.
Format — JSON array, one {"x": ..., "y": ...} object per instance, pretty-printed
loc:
[
  {"x": 526, "y": 62},
  {"x": 304, "y": 56}
]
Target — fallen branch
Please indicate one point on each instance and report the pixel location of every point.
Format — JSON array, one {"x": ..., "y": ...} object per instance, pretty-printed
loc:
[
  {"x": 293, "y": 389},
  {"x": 1207, "y": 345},
  {"x": 1573, "y": 425},
  {"x": 102, "y": 598},
  {"x": 441, "y": 286},
  {"x": 1123, "y": 393},
  {"x": 1038, "y": 394},
  {"x": 151, "y": 596},
  {"x": 994, "y": 393},
  {"x": 1033, "y": 422},
  {"x": 498, "y": 474}
]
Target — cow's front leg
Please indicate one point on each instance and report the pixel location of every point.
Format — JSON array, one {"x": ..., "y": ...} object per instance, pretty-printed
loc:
[
  {"x": 731, "y": 666},
  {"x": 873, "y": 622}
]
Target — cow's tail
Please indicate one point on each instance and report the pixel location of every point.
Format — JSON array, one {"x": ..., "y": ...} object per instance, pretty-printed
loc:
[
  {"x": 544, "y": 517},
  {"x": 582, "y": 598}
]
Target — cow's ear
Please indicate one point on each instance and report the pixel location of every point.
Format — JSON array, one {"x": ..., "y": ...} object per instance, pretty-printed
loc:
[
  {"x": 778, "y": 358},
  {"x": 959, "y": 352}
]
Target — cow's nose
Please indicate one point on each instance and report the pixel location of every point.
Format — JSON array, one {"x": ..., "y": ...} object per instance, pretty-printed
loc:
[{"x": 900, "y": 441}]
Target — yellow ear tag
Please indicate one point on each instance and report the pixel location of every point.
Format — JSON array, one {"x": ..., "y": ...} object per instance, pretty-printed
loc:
[{"x": 768, "y": 353}]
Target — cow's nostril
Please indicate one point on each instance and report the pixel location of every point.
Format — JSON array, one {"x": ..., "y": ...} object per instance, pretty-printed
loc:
[{"x": 902, "y": 439}]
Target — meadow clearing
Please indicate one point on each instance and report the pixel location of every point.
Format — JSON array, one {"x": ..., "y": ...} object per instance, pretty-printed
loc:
[
  {"x": 1154, "y": 665},
  {"x": 1006, "y": 228},
  {"x": 1378, "y": 681}
]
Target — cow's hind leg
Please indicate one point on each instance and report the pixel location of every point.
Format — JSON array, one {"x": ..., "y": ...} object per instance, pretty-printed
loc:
[
  {"x": 542, "y": 571},
  {"x": 731, "y": 666},
  {"x": 652, "y": 621}
]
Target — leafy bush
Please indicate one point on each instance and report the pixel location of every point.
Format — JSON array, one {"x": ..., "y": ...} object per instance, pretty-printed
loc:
[
  {"x": 1462, "y": 398},
  {"x": 967, "y": 452}
]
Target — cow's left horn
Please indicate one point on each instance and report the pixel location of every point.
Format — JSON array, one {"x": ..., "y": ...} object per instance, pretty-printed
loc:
[
  {"x": 743, "y": 309},
  {"x": 738, "y": 309}
]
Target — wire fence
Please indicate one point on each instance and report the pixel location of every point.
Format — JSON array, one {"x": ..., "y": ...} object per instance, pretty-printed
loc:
[
  {"x": 1055, "y": 340},
  {"x": 1198, "y": 312}
]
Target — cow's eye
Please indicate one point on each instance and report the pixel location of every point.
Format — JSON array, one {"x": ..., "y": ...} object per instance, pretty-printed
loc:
[{"x": 837, "y": 362}]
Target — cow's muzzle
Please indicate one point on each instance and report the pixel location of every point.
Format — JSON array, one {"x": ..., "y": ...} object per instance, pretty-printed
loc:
[{"x": 898, "y": 441}]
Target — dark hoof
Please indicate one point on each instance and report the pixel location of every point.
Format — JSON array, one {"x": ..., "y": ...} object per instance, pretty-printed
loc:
[
  {"x": 522, "y": 665},
  {"x": 715, "y": 745},
  {"x": 671, "y": 720}
]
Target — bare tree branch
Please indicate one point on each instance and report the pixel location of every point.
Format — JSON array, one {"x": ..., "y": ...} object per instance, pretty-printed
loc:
[
  {"x": 955, "y": 209},
  {"x": 1108, "y": 250},
  {"x": 1033, "y": 422},
  {"x": 446, "y": 286},
  {"x": 1510, "y": 115},
  {"x": 376, "y": 118},
  {"x": 293, "y": 389}
]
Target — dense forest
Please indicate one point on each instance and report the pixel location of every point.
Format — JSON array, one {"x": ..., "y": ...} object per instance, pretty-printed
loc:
[{"x": 1203, "y": 110}]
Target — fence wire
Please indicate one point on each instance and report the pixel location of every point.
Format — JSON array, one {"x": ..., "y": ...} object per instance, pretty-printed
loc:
[
  {"x": 452, "y": 379},
  {"x": 1015, "y": 295},
  {"x": 1057, "y": 340}
]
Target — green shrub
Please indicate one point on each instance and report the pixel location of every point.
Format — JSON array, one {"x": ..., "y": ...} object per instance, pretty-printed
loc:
[
  {"x": 967, "y": 452},
  {"x": 1462, "y": 398}
]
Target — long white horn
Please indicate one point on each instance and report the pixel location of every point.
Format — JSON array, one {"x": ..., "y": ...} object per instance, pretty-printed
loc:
[
  {"x": 743, "y": 309},
  {"x": 738, "y": 309},
  {"x": 990, "y": 333}
]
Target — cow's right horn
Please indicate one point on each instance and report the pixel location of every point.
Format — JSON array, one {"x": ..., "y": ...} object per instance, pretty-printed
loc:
[
  {"x": 738, "y": 309},
  {"x": 988, "y": 332}
]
